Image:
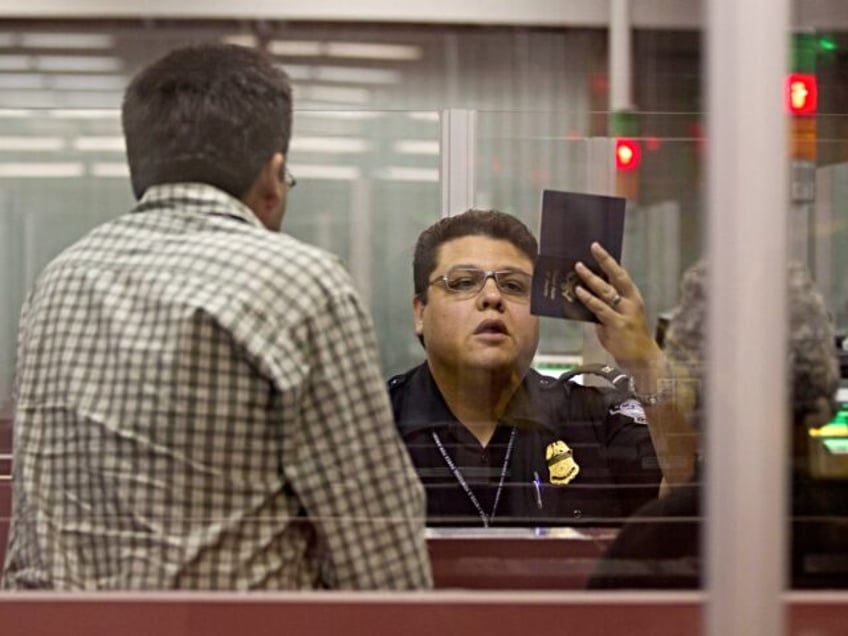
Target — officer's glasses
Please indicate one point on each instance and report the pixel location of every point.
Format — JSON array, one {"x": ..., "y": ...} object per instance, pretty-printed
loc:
[{"x": 468, "y": 281}]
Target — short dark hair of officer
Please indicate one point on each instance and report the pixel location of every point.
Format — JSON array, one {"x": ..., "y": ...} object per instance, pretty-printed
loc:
[
  {"x": 211, "y": 113},
  {"x": 490, "y": 223}
]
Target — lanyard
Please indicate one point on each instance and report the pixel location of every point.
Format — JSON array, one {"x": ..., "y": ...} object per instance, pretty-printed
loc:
[{"x": 458, "y": 475}]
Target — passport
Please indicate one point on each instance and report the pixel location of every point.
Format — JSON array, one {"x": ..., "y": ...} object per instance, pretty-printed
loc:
[{"x": 570, "y": 223}]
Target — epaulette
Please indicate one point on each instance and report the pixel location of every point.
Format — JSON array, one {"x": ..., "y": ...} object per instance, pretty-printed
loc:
[{"x": 398, "y": 380}]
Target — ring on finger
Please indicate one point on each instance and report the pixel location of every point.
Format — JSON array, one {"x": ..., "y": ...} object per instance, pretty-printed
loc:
[{"x": 613, "y": 302}]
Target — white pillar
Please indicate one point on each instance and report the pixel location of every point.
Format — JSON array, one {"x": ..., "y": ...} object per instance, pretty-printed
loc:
[{"x": 747, "y": 425}]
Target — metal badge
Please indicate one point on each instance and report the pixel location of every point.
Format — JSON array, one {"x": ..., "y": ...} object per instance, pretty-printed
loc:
[{"x": 562, "y": 468}]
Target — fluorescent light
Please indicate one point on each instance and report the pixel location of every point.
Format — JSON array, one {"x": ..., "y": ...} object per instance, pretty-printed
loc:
[
  {"x": 79, "y": 63},
  {"x": 42, "y": 144},
  {"x": 41, "y": 170},
  {"x": 86, "y": 113},
  {"x": 343, "y": 173},
  {"x": 110, "y": 170},
  {"x": 295, "y": 48},
  {"x": 373, "y": 51},
  {"x": 66, "y": 41},
  {"x": 297, "y": 72},
  {"x": 427, "y": 115},
  {"x": 400, "y": 173},
  {"x": 108, "y": 144},
  {"x": 329, "y": 144},
  {"x": 15, "y": 113},
  {"x": 342, "y": 94},
  {"x": 360, "y": 50},
  {"x": 350, "y": 75},
  {"x": 245, "y": 40},
  {"x": 417, "y": 147}
]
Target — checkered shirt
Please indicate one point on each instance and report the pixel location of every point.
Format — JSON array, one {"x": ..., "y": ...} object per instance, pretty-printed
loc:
[{"x": 199, "y": 406}]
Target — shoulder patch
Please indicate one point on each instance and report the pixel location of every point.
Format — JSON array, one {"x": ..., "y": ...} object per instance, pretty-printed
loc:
[{"x": 631, "y": 409}]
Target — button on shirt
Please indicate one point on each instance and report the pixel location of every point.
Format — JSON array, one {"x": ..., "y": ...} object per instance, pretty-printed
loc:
[
  {"x": 604, "y": 431},
  {"x": 199, "y": 406}
]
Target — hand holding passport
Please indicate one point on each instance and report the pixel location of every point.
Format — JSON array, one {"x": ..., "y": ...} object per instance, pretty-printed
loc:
[{"x": 571, "y": 222}]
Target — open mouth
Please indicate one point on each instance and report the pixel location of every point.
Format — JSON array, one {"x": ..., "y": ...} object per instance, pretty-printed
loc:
[{"x": 491, "y": 327}]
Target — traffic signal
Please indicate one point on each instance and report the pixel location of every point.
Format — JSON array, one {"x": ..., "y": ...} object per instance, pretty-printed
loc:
[
  {"x": 801, "y": 94},
  {"x": 801, "y": 97},
  {"x": 628, "y": 153}
]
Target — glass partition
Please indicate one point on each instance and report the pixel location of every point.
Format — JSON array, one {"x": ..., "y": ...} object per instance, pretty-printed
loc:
[{"x": 366, "y": 152}]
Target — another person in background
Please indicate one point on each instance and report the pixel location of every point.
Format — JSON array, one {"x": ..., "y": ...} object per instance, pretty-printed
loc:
[
  {"x": 660, "y": 546},
  {"x": 198, "y": 400},
  {"x": 497, "y": 443}
]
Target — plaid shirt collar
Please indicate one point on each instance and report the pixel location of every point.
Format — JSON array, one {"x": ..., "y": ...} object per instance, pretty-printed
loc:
[{"x": 197, "y": 197}]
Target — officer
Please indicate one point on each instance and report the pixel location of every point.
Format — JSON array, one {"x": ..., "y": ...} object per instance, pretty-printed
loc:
[{"x": 493, "y": 441}]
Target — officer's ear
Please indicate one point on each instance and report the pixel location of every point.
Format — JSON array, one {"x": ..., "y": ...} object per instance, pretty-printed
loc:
[
  {"x": 418, "y": 315},
  {"x": 418, "y": 307}
]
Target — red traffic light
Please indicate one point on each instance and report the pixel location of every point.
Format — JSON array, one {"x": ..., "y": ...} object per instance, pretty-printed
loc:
[
  {"x": 801, "y": 94},
  {"x": 628, "y": 154}
]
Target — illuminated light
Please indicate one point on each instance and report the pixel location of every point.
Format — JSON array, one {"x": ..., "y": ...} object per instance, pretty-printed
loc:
[
  {"x": 99, "y": 144},
  {"x": 41, "y": 170},
  {"x": 330, "y": 144},
  {"x": 110, "y": 170},
  {"x": 402, "y": 173},
  {"x": 801, "y": 94},
  {"x": 38, "y": 144},
  {"x": 827, "y": 44},
  {"x": 417, "y": 147},
  {"x": 245, "y": 40},
  {"x": 78, "y": 63},
  {"x": 628, "y": 154},
  {"x": 373, "y": 51},
  {"x": 337, "y": 173}
]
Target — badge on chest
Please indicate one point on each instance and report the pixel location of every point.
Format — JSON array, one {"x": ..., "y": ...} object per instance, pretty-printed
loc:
[{"x": 562, "y": 468}]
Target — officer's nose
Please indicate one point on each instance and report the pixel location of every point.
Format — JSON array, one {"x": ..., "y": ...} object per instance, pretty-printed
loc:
[{"x": 490, "y": 296}]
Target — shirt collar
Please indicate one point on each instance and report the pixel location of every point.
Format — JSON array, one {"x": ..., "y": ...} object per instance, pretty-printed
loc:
[
  {"x": 429, "y": 409},
  {"x": 196, "y": 197}
]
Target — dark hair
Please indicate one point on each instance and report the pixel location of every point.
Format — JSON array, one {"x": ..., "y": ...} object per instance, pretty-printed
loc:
[
  {"x": 210, "y": 113},
  {"x": 489, "y": 223}
]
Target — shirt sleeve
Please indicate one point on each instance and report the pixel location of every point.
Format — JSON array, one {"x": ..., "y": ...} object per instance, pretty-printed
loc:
[{"x": 351, "y": 470}]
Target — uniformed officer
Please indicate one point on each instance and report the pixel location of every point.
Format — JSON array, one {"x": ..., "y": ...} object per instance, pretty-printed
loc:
[{"x": 493, "y": 441}]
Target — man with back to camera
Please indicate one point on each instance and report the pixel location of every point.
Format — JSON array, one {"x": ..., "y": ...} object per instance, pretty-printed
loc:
[
  {"x": 198, "y": 399},
  {"x": 497, "y": 443}
]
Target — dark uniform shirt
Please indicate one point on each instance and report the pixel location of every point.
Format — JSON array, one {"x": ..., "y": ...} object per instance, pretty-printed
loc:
[{"x": 579, "y": 454}]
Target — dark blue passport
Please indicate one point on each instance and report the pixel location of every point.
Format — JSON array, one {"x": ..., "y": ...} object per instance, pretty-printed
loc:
[{"x": 571, "y": 221}]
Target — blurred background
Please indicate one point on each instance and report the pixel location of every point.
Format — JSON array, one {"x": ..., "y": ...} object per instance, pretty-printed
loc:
[
  {"x": 398, "y": 111},
  {"x": 406, "y": 112}
]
